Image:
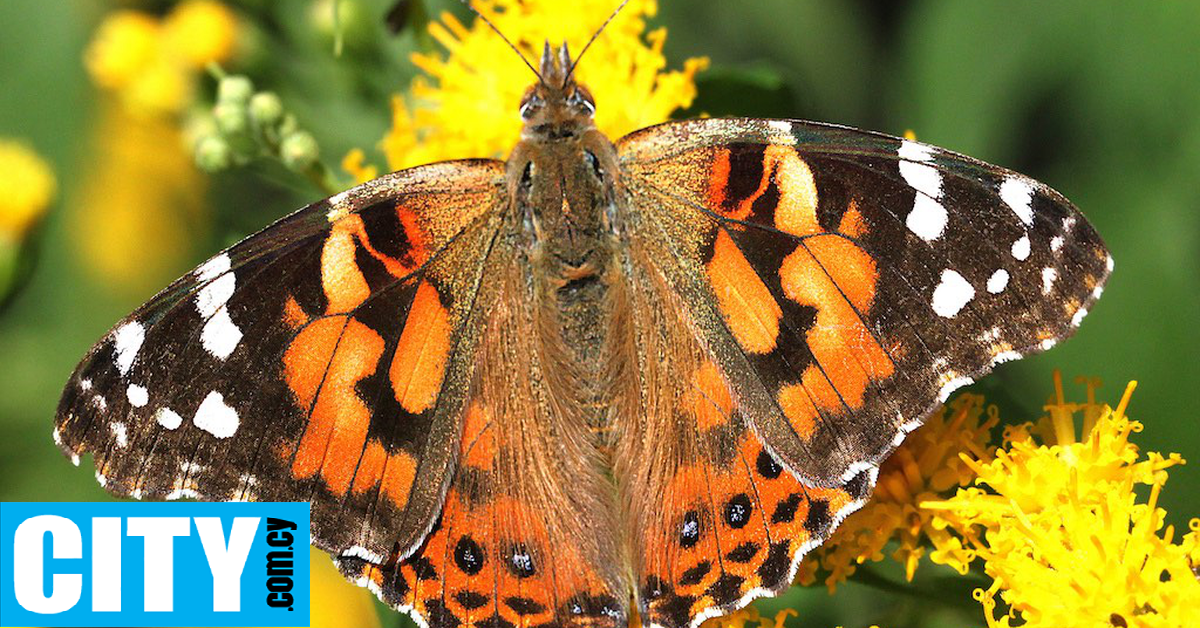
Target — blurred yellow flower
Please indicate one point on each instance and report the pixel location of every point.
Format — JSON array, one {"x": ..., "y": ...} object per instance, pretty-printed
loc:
[
  {"x": 142, "y": 204},
  {"x": 200, "y": 32},
  {"x": 27, "y": 187},
  {"x": 927, "y": 465},
  {"x": 466, "y": 104},
  {"x": 1062, "y": 531},
  {"x": 151, "y": 63}
]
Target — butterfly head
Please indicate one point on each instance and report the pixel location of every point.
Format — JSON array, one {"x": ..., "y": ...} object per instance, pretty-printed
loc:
[{"x": 557, "y": 106}]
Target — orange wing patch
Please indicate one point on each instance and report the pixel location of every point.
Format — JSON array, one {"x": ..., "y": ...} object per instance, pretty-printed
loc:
[
  {"x": 420, "y": 362},
  {"x": 322, "y": 366},
  {"x": 745, "y": 302}
]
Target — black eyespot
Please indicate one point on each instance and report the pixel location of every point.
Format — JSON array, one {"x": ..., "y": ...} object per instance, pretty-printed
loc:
[
  {"x": 521, "y": 562},
  {"x": 594, "y": 162},
  {"x": 767, "y": 466},
  {"x": 689, "y": 532},
  {"x": 737, "y": 510},
  {"x": 468, "y": 556}
]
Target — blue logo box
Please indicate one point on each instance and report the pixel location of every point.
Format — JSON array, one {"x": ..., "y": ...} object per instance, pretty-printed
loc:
[{"x": 154, "y": 564}]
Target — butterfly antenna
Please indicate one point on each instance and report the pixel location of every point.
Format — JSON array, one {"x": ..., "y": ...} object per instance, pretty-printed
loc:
[
  {"x": 483, "y": 17},
  {"x": 594, "y": 36}
]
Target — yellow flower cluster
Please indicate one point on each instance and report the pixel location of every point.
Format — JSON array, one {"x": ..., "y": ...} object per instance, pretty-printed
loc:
[
  {"x": 1062, "y": 531},
  {"x": 151, "y": 63},
  {"x": 466, "y": 105},
  {"x": 27, "y": 187},
  {"x": 928, "y": 465}
]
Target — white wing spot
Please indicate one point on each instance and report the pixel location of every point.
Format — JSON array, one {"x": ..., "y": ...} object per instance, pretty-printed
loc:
[
  {"x": 168, "y": 418},
  {"x": 1097, "y": 292},
  {"x": 220, "y": 335},
  {"x": 1049, "y": 275},
  {"x": 214, "y": 295},
  {"x": 1020, "y": 248},
  {"x": 120, "y": 433},
  {"x": 100, "y": 402},
  {"x": 1048, "y": 344},
  {"x": 922, "y": 177},
  {"x": 951, "y": 294},
  {"x": 1068, "y": 224},
  {"x": 1108, "y": 263},
  {"x": 927, "y": 218},
  {"x": 215, "y": 417},
  {"x": 780, "y": 126},
  {"x": 137, "y": 395},
  {"x": 914, "y": 151},
  {"x": 998, "y": 281},
  {"x": 1078, "y": 318},
  {"x": 213, "y": 267},
  {"x": 85, "y": 384},
  {"x": 127, "y": 341},
  {"x": 1017, "y": 193},
  {"x": 1005, "y": 356},
  {"x": 1056, "y": 243},
  {"x": 956, "y": 382}
]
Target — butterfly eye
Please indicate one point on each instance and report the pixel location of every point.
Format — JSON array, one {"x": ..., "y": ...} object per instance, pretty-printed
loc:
[
  {"x": 582, "y": 101},
  {"x": 531, "y": 106}
]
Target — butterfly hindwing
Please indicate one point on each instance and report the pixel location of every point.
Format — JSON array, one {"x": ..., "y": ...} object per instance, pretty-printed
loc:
[
  {"x": 314, "y": 361},
  {"x": 714, "y": 519},
  {"x": 848, "y": 281}
]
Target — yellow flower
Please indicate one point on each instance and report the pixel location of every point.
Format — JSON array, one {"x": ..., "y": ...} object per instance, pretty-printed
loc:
[
  {"x": 141, "y": 206},
  {"x": 466, "y": 105},
  {"x": 741, "y": 618},
  {"x": 27, "y": 187},
  {"x": 925, "y": 467},
  {"x": 200, "y": 32},
  {"x": 1063, "y": 532},
  {"x": 150, "y": 63}
]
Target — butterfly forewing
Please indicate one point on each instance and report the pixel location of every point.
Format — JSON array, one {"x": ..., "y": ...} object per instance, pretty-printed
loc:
[
  {"x": 314, "y": 361},
  {"x": 860, "y": 277}
]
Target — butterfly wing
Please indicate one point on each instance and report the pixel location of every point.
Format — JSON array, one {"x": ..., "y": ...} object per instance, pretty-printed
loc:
[
  {"x": 318, "y": 360},
  {"x": 838, "y": 285}
]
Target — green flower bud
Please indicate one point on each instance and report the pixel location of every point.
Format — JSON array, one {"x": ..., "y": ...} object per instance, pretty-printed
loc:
[
  {"x": 235, "y": 89},
  {"x": 298, "y": 150},
  {"x": 266, "y": 110},
  {"x": 213, "y": 154},
  {"x": 231, "y": 118}
]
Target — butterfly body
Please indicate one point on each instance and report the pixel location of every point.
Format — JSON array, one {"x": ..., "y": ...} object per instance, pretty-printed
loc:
[{"x": 530, "y": 393}]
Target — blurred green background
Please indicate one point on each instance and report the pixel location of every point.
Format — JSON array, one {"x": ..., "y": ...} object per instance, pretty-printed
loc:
[{"x": 1101, "y": 100}]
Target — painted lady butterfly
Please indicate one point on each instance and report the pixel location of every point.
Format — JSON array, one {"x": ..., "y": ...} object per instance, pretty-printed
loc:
[{"x": 525, "y": 393}]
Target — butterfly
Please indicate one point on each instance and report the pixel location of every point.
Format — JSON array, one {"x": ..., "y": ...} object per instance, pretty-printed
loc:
[{"x": 597, "y": 377}]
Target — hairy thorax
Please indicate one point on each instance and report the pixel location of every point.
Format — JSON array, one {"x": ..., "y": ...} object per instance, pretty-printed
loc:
[{"x": 564, "y": 195}]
